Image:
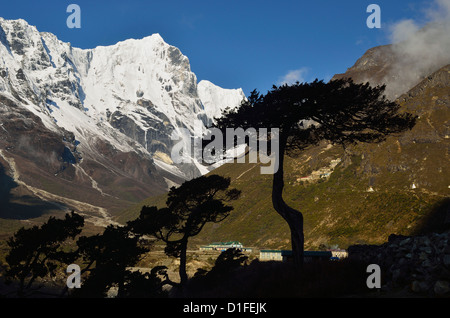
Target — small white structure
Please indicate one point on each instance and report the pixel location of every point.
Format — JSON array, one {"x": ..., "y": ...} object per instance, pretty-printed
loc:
[
  {"x": 286, "y": 255},
  {"x": 222, "y": 246},
  {"x": 339, "y": 253}
]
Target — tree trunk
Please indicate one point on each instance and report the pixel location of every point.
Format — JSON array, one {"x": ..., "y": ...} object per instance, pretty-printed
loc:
[
  {"x": 121, "y": 283},
  {"x": 293, "y": 217},
  {"x": 182, "y": 270}
]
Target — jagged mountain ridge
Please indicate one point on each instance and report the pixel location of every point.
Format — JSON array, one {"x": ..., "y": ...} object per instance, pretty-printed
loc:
[{"x": 95, "y": 125}]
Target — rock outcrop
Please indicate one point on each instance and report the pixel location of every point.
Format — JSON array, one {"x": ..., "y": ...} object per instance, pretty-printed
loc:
[{"x": 419, "y": 264}]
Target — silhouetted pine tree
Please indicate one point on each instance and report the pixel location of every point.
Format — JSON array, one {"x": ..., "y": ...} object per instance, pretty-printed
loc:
[
  {"x": 189, "y": 208},
  {"x": 340, "y": 112},
  {"x": 36, "y": 252}
]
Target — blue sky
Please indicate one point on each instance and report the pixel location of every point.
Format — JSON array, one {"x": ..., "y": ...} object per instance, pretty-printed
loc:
[{"x": 246, "y": 44}]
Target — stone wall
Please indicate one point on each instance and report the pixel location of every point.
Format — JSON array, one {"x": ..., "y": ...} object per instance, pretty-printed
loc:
[{"x": 420, "y": 264}]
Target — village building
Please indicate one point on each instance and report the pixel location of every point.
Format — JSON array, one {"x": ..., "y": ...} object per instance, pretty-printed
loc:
[
  {"x": 223, "y": 246},
  {"x": 339, "y": 254},
  {"x": 308, "y": 256}
]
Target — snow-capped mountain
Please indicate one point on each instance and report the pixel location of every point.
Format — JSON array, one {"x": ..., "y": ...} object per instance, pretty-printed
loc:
[
  {"x": 113, "y": 108},
  {"x": 215, "y": 99}
]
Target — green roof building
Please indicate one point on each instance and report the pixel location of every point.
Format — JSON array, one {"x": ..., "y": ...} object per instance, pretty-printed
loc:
[{"x": 222, "y": 246}]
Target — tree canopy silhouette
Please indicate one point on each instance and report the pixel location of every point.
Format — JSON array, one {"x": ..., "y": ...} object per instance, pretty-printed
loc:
[
  {"x": 340, "y": 112},
  {"x": 35, "y": 252},
  {"x": 41, "y": 252},
  {"x": 189, "y": 208},
  {"x": 112, "y": 252},
  {"x": 225, "y": 267}
]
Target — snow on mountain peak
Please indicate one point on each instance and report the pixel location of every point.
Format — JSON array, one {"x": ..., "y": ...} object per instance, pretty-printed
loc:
[
  {"x": 132, "y": 94},
  {"x": 215, "y": 99}
]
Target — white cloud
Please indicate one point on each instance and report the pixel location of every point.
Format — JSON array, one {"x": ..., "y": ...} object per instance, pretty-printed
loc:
[
  {"x": 293, "y": 76},
  {"x": 419, "y": 47},
  {"x": 403, "y": 30},
  {"x": 440, "y": 10}
]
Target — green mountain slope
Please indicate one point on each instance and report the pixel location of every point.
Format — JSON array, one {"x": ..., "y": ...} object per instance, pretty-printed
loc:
[{"x": 361, "y": 194}]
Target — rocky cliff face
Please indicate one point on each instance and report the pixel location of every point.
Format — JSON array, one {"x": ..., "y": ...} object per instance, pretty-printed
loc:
[{"x": 95, "y": 125}]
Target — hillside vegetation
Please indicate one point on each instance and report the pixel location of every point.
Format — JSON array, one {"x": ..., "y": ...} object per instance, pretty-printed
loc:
[{"x": 357, "y": 195}]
